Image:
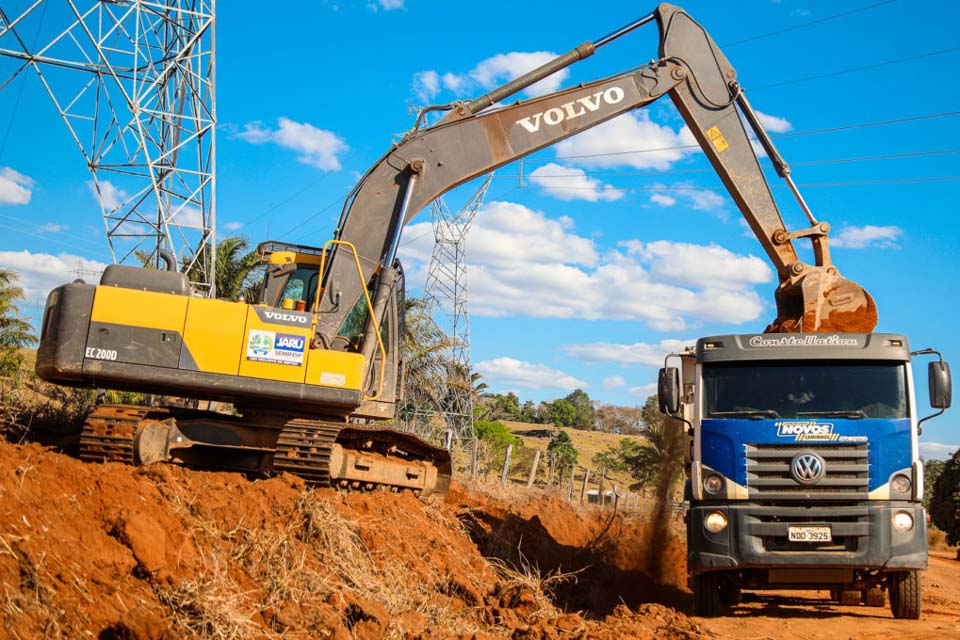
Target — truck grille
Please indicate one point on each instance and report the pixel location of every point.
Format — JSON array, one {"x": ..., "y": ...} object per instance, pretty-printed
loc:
[{"x": 846, "y": 476}]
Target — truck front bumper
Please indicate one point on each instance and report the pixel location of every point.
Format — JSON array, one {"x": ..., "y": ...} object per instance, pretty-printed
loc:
[{"x": 863, "y": 537}]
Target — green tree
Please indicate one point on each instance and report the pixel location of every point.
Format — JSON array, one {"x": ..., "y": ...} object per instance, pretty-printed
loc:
[
  {"x": 945, "y": 501},
  {"x": 15, "y": 331},
  {"x": 616, "y": 457},
  {"x": 931, "y": 471},
  {"x": 584, "y": 415},
  {"x": 495, "y": 434},
  {"x": 425, "y": 353},
  {"x": 562, "y": 446},
  {"x": 562, "y": 413}
]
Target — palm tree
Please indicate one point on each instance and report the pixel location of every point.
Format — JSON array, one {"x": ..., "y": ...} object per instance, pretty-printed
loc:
[
  {"x": 15, "y": 332},
  {"x": 425, "y": 352}
]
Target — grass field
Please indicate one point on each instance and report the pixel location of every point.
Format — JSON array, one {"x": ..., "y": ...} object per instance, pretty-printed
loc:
[{"x": 587, "y": 443}]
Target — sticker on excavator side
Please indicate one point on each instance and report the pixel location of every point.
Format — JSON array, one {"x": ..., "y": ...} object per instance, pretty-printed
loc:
[
  {"x": 333, "y": 379},
  {"x": 277, "y": 348},
  {"x": 719, "y": 142}
]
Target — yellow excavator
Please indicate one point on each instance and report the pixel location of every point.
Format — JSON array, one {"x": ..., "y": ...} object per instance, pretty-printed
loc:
[{"x": 312, "y": 366}]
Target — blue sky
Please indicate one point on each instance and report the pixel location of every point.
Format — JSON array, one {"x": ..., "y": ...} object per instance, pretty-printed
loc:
[{"x": 589, "y": 284}]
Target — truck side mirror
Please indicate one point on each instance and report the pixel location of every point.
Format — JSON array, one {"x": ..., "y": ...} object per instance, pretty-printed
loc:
[
  {"x": 668, "y": 390},
  {"x": 941, "y": 388}
]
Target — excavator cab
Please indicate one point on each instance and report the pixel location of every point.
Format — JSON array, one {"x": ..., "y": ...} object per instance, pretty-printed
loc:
[{"x": 292, "y": 275}]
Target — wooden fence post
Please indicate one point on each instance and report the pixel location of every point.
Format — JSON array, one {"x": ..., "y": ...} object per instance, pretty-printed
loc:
[
  {"x": 616, "y": 498},
  {"x": 603, "y": 477},
  {"x": 583, "y": 488},
  {"x": 573, "y": 475},
  {"x": 533, "y": 469},
  {"x": 506, "y": 464},
  {"x": 553, "y": 468}
]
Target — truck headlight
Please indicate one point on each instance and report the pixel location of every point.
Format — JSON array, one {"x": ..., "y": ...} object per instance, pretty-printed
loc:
[
  {"x": 902, "y": 521},
  {"x": 900, "y": 483},
  {"x": 715, "y": 522},
  {"x": 713, "y": 483}
]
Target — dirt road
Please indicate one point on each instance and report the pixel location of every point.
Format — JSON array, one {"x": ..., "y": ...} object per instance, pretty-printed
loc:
[{"x": 806, "y": 615}]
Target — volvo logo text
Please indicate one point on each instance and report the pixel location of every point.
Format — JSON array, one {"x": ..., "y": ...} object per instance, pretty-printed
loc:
[
  {"x": 807, "y": 468},
  {"x": 574, "y": 109},
  {"x": 286, "y": 317}
]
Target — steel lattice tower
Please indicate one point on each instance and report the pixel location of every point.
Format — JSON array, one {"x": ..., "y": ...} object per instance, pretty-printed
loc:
[
  {"x": 445, "y": 294},
  {"x": 133, "y": 80}
]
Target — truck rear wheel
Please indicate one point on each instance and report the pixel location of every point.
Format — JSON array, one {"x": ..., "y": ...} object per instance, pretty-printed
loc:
[
  {"x": 706, "y": 594},
  {"x": 906, "y": 589}
]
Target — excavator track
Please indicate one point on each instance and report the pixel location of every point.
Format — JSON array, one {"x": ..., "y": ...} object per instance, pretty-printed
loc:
[
  {"x": 109, "y": 431},
  {"x": 361, "y": 458},
  {"x": 326, "y": 454}
]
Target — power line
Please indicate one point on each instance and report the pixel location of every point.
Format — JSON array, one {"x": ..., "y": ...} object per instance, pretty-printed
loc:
[
  {"x": 807, "y": 132},
  {"x": 855, "y": 69},
  {"x": 809, "y": 23},
  {"x": 775, "y": 186},
  {"x": 802, "y": 163}
]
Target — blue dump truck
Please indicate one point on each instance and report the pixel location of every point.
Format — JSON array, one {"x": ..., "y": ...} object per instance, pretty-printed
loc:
[{"x": 804, "y": 471}]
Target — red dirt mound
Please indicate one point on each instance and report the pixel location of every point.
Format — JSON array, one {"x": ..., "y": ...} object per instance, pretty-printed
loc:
[{"x": 111, "y": 551}]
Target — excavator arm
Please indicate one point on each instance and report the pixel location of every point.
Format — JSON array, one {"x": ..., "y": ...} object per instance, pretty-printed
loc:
[{"x": 479, "y": 136}]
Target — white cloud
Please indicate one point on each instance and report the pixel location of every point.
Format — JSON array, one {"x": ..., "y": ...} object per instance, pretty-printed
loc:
[
  {"x": 628, "y": 354},
  {"x": 774, "y": 124},
  {"x": 570, "y": 183},
  {"x": 525, "y": 264},
  {"x": 490, "y": 73},
  {"x": 698, "y": 199},
  {"x": 52, "y": 227},
  {"x": 188, "y": 216},
  {"x": 508, "y": 373},
  {"x": 632, "y": 139},
  {"x": 693, "y": 264},
  {"x": 867, "y": 236},
  {"x": 233, "y": 226},
  {"x": 110, "y": 196},
  {"x": 426, "y": 85},
  {"x": 643, "y": 392},
  {"x": 41, "y": 272},
  {"x": 390, "y": 5},
  {"x": 937, "y": 450},
  {"x": 318, "y": 147},
  {"x": 613, "y": 382},
  {"x": 15, "y": 188}
]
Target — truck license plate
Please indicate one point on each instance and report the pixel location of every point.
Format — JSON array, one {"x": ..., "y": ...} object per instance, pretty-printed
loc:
[{"x": 809, "y": 534}]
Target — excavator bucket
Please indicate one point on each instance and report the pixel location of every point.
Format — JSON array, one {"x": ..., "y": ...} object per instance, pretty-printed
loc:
[{"x": 822, "y": 301}]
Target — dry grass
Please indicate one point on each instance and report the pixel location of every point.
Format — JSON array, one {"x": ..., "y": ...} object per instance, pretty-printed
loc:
[
  {"x": 33, "y": 599},
  {"x": 211, "y": 605},
  {"x": 523, "y": 583}
]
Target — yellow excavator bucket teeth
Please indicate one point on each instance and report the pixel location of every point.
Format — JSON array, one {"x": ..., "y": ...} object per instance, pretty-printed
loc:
[{"x": 823, "y": 301}]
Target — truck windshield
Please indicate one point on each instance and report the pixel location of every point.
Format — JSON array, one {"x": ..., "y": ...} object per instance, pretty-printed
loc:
[{"x": 806, "y": 390}]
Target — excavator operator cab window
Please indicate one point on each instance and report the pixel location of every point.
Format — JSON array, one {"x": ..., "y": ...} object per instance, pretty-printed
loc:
[{"x": 291, "y": 286}]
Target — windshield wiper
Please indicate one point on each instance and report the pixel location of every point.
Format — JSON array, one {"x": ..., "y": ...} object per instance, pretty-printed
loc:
[
  {"x": 850, "y": 413},
  {"x": 753, "y": 414}
]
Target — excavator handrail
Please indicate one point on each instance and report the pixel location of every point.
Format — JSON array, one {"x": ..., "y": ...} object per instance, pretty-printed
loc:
[{"x": 366, "y": 295}]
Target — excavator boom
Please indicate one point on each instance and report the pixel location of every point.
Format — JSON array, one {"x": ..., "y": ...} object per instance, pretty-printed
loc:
[{"x": 478, "y": 136}]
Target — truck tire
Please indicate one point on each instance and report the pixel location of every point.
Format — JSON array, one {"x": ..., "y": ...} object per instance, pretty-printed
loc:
[
  {"x": 706, "y": 594},
  {"x": 906, "y": 589}
]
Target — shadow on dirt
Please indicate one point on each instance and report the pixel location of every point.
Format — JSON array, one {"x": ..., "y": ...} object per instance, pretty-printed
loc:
[
  {"x": 780, "y": 606},
  {"x": 600, "y": 581}
]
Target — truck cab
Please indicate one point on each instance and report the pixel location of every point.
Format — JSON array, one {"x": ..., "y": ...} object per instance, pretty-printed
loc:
[{"x": 804, "y": 471}]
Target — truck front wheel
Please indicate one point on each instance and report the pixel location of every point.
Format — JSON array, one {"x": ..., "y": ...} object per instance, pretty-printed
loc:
[
  {"x": 706, "y": 594},
  {"x": 906, "y": 589}
]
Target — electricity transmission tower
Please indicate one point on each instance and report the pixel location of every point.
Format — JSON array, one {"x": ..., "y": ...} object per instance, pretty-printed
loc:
[
  {"x": 133, "y": 80},
  {"x": 446, "y": 298}
]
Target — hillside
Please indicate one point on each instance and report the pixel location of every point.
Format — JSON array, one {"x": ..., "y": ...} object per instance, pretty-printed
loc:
[
  {"x": 587, "y": 443},
  {"x": 164, "y": 552}
]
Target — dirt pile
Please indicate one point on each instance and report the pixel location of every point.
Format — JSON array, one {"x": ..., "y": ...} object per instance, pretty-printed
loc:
[{"x": 162, "y": 552}]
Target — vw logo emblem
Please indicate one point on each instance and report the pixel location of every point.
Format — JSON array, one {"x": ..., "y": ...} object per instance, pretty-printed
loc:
[{"x": 807, "y": 468}]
